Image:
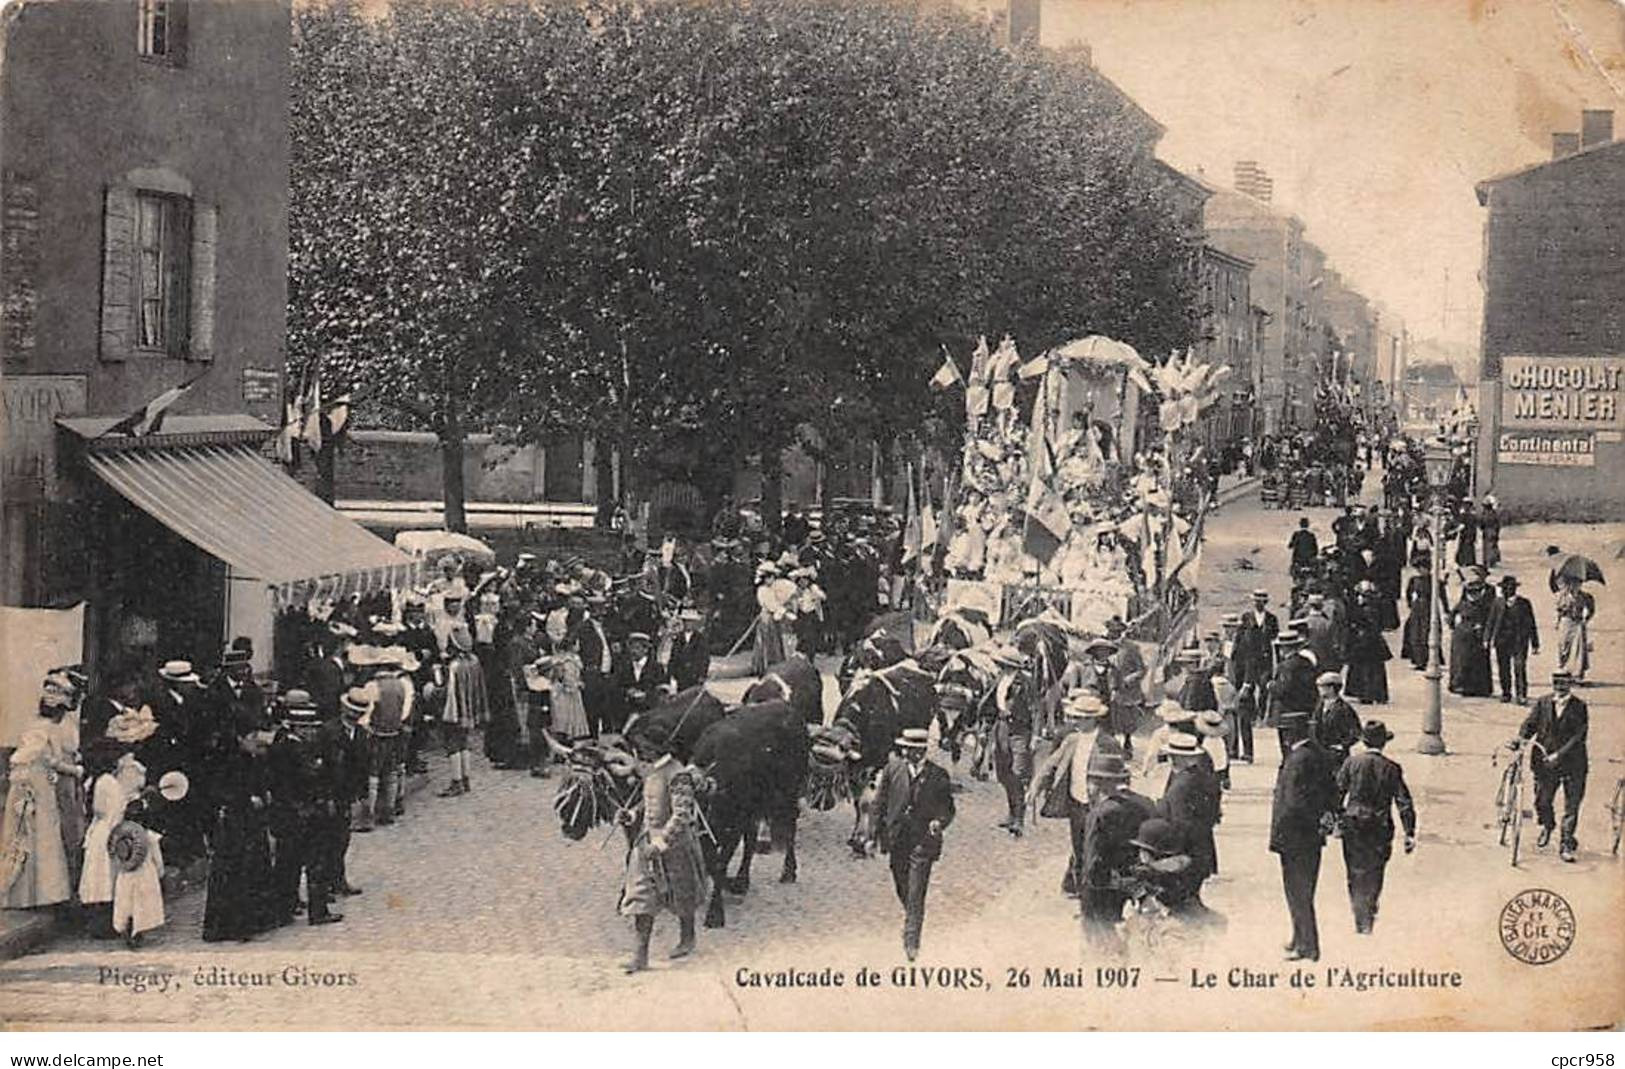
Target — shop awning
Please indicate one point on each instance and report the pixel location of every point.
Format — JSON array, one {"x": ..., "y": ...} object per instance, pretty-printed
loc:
[{"x": 236, "y": 506}]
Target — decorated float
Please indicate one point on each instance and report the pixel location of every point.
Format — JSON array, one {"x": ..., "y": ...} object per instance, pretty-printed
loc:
[{"x": 1084, "y": 507}]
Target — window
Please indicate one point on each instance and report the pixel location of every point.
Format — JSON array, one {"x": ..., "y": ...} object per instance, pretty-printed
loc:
[
  {"x": 163, "y": 273},
  {"x": 161, "y": 30},
  {"x": 154, "y": 39}
]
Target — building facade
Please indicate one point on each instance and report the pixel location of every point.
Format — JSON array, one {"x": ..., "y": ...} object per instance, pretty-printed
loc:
[
  {"x": 1226, "y": 338},
  {"x": 1551, "y": 389},
  {"x": 143, "y": 246}
]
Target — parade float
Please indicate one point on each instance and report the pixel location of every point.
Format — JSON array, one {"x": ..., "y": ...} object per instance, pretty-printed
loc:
[{"x": 1084, "y": 507}]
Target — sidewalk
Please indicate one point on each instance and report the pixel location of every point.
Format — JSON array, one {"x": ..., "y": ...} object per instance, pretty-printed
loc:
[{"x": 26, "y": 930}]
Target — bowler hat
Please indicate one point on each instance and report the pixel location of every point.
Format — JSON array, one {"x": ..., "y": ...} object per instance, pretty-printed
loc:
[
  {"x": 1375, "y": 733},
  {"x": 1509, "y": 581},
  {"x": 1160, "y": 837}
]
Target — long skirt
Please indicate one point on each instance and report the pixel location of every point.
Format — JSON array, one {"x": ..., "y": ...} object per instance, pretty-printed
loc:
[
  {"x": 1469, "y": 664},
  {"x": 241, "y": 897},
  {"x": 70, "y": 808},
  {"x": 1387, "y": 610},
  {"x": 769, "y": 648},
  {"x": 138, "y": 898},
  {"x": 33, "y": 861},
  {"x": 569, "y": 713},
  {"x": 1414, "y": 642},
  {"x": 1573, "y": 652},
  {"x": 1367, "y": 680}
]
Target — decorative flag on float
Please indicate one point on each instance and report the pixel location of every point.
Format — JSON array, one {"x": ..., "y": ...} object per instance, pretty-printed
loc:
[
  {"x": 1045, "y": 528},
  {"x": 338, "y": 415},
  {"x": 149, "y": 418},
  {"x": 1033, "y": 368},
  {"x": 911, "y": 522},
  {"x": 948, "y": 374}
]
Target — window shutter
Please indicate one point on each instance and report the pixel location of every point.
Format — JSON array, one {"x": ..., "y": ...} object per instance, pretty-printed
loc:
[
  {"x": 180, "y": 33},
  {"x": 118, "y": 273},
  {"x": 205, "y": 226}
]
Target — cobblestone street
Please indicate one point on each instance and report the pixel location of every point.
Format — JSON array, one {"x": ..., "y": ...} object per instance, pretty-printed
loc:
[{"x": 477, "y": 912}]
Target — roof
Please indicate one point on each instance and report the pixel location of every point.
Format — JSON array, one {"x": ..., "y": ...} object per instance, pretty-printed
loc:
[
  {"x": 1583, "y": 157},
  {"x": 230, "y": 429},
  {"x": 1228, "y": 257},
  {"x": 240, "y": 509}
]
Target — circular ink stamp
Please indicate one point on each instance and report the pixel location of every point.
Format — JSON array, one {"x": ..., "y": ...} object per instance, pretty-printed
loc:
[{"x": 1537, "y": 926}]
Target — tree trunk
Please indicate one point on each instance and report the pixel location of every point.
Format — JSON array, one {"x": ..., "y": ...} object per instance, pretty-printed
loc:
[
  {"x": 451, "y": 472},
  {"x": 326, "y": 462},
  {"x": 772, "y": 491},
  {"x": 605, "y": 473}
]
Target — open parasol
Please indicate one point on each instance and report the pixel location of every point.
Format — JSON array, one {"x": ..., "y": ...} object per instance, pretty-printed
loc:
[
  {"x": 1579, "y": 567},
  {"x": 431, "y": 545}
]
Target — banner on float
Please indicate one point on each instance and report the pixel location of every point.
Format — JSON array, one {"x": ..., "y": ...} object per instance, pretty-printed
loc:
[{"x": 1092, "y": 608}]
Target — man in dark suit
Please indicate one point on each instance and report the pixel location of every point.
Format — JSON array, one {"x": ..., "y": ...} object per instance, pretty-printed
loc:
[
  {"x": 1334, "y": 723},
  {"x": 1515, "y": 635},
  {"x": 1369, "y": 788},
  {"x": 1304, "y": 547},
  {"x": 915, "y": 804},
  {"x": 343, "y": 746},
  {"x": 640, "y": 678},
  {"x": 1254, "y": 652},
  {"x": 1108, "y": 854},
  {"x": 329, "y": 678},
  {"x": 1558, "y": 724},
  {"x": 597, "y": 661},
  {"x": 1292, "y": 688},
  {"x": 1305, "y": 794},
  {"x": 690, "y": 659}
]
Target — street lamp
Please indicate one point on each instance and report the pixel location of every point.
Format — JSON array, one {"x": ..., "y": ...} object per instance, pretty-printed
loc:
[{"x": 1438, "y": 459}]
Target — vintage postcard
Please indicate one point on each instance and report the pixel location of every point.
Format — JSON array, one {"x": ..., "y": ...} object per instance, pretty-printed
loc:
[{"x": 812, "y": 515}]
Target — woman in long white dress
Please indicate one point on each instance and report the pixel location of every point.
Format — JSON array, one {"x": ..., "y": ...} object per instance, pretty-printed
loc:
[
  {"x": 33, "y": 865},
  {"x": 130, "y": 902}
]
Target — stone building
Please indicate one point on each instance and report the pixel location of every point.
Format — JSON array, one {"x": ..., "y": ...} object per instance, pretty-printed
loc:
[
  {"x": 143, "y": 245},
  {"x": 1552, "y": 358}
]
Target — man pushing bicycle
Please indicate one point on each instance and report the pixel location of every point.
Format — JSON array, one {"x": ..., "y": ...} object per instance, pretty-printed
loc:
[{"x": 1557, "y": 724}]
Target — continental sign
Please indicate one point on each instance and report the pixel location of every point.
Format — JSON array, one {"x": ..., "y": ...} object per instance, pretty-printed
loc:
[
  {"x": 1562, "y": 393},
  {"x": 1546, "y": 450}
]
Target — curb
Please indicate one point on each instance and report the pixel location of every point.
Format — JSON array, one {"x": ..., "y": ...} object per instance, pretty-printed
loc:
[{"x": 1239, "y": 490}]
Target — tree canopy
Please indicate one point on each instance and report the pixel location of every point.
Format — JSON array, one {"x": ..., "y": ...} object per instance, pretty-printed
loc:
[{"x": 692, "y": 228}]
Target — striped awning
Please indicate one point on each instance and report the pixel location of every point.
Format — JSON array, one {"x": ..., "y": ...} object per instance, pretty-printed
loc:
[{"x": 234, "y": 505}]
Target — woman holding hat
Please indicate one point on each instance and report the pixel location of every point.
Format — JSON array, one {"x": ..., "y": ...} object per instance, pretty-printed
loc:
[{"x": 123, "y": 859}]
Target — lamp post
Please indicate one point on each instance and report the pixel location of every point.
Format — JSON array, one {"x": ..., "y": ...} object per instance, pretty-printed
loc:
[{"x": 1438, "y": 460}]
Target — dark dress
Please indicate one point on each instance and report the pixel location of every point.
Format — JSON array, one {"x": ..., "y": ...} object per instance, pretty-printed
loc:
[
  {"x": 1368, "y": 654},
  {"x": 1489, "y": 526},
  {"x": 242, "y": 900},
  {"x": 1414, "y": 644},
  {"x": 1467, "y": 541},
  {"x": 1469, "y": 655}
]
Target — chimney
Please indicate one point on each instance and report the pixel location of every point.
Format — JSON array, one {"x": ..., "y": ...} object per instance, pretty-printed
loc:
[
  {"x": 1565, "y": 145},
  {"x": 1596, "y": 127}
]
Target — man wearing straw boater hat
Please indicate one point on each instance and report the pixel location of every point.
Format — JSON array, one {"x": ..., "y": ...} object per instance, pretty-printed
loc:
[
  {"x": 914, "y": 805},
  {"x": 1191, "y": 801},
  {"x": 1369, "y": 788},
  {"x": 1060, "y": 786}
]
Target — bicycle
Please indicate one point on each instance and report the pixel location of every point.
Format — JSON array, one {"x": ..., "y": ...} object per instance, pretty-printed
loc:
[{"x": 1509, "y": 796}]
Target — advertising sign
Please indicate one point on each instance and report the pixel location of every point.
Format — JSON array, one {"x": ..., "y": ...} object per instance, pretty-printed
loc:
[
  {"x": 1563, "y": 393},
  {"x": 1547, "y": 450}
]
